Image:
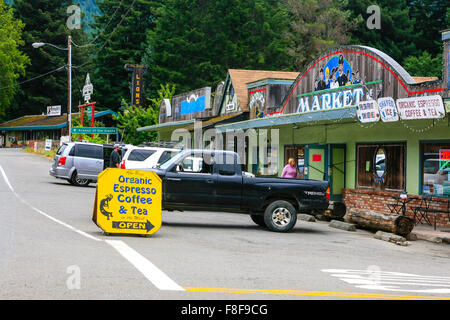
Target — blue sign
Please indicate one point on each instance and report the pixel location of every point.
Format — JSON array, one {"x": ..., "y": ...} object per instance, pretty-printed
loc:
[{"x": 193, "y": 105}]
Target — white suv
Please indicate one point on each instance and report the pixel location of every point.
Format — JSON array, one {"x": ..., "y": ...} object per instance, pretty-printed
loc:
[{"x": 146, "y": 157}]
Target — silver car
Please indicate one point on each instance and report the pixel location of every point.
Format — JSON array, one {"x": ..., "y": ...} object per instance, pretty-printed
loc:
[{"x": 80, "y": 163}]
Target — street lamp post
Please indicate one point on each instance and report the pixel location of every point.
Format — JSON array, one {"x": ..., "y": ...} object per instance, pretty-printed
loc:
[{"x": 69, "y": 80}]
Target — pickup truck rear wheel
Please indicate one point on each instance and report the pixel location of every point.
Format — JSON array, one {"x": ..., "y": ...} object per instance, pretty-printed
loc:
[
  {"x": 280, "y": 216},
  {"x": 258, "y": 219}
]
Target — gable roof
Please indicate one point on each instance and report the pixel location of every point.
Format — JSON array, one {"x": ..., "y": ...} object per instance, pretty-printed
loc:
[{"x": 240, "y": 78}]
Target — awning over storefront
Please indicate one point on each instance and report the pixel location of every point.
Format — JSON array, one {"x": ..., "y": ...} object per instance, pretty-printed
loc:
[
  {"x": 168, "y": 125},
  {"x": 297, "y": 118}
]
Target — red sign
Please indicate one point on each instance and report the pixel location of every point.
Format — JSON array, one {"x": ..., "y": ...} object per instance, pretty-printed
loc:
[
  {"x": 444, "y": 155},
  {"x": 317, "y": 157}
]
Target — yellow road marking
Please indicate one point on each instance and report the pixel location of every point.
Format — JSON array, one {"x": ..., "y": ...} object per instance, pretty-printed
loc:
[{"x": 316, "y": 293}]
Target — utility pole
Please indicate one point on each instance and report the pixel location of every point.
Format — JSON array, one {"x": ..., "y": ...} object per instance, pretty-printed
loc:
[
  {"x": 37, "y": 45},
  {"x": 69, "y": 103}
]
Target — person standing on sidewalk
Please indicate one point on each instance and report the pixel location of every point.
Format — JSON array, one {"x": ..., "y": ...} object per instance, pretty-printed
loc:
[
  {"x": 290, "y": 170},
  {"x": 115, "y": 159}
]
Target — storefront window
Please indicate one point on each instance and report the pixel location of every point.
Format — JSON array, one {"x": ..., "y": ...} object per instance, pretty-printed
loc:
[
  {"x": 436, "y": 169},
  {"x": 381, "y": 166}
]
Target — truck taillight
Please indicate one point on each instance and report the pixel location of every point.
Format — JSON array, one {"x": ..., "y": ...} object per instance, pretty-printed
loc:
[
  {"x": 62, "y": 161},
  {"x": 122, "y": 165},
  {"x": 328, "y": 193}
]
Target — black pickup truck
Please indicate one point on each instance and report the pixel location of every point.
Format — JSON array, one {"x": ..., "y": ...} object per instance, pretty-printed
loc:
[{"x": 213, "y": 180}]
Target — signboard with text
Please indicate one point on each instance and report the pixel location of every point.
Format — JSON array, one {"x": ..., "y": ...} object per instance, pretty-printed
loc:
[
  {"x": 128, "y": 202},
  {"x": 426, "y": 107},
  {"x": 388, "y": 110},
  {"x": 94, "y": 130},
  {"x": 367, "y": 111},
  {"x": 53, "y": 111}
]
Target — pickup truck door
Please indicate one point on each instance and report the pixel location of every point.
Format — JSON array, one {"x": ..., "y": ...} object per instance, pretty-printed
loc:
[
  {"x": 229, "y": 183},
  {"x": 187, "y": 189}
]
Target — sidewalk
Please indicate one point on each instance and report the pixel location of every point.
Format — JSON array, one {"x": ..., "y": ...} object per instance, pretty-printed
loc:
[{"x": 427, "y": 233}]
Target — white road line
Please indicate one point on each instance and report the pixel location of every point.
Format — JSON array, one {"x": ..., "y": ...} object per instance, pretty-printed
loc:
[
  {"x": 143, "y": 265},
  {"x": 84, "y": 234},
  {"x": 148, "y": 269},
  {"x": 392, "y": 281}
]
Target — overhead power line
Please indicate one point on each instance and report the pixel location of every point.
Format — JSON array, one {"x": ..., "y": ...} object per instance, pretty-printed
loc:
[{"x": 34, "y": 78}]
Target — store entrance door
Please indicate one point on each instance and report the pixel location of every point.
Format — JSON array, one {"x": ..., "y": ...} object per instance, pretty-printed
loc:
[
  {"x": 297, "y": 152},
  {"x": 336, "y": 171},
  {"x": 315, "y": 162}
]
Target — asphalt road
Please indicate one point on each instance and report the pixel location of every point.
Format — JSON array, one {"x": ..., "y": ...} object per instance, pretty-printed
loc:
[{"x": 51, "y": 249}]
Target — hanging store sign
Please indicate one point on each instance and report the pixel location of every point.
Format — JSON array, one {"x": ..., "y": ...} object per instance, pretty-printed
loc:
[
  {"x": 388, "y": 109},
  {"x": 426, "y": 107},
  {"x": 367, "y": 111}
]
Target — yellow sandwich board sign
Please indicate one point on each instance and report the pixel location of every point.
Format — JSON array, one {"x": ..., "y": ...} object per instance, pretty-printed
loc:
[{"x": 128, "y": 202}]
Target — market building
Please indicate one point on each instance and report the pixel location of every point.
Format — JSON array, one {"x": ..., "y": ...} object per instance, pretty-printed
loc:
[{"x": 356, "y": 118}]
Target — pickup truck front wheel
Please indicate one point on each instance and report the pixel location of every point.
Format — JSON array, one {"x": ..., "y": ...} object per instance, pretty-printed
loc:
[{"x": 280, "y": 216}]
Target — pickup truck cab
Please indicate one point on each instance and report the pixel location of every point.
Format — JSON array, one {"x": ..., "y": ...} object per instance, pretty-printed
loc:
[{"x": 219, "y": 184}]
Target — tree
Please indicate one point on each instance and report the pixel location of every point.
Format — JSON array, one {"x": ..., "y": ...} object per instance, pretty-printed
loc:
[
  {"x": 397, "y": 36},
  {"x": 194, "y": 42},
  {"x": 45, "y": 21},
  {"x": 316, "y": 25},
  {"x": 12, "y": 60},
  {"x": 120, "y": 32},
  {"x": 424, "y": 65},
  {"x": 132, "y": 117},
  {"x": 430, "y": 17}
]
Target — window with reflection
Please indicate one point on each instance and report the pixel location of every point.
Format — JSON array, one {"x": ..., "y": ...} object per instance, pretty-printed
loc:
[
  {"x": 436, "y": 169},
  {"x": 381, "y": 167}
]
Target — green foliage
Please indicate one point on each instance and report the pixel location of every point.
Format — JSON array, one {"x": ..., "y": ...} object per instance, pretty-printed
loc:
[
  {"x": 431, "y": 17},
  {"x": 45, "y": 21},
  {"x": 398, "y": 34},
  {"x": 12, "y": 60},
  {"x": 120, "y": 42},
  {"x": 317, "y": 25},
  {"x": 194, "y": 42},
  {"x": 133, "y": 117},
  {"x": 424, "y": 65}
]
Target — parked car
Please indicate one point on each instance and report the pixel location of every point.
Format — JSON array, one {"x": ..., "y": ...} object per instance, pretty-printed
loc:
[
  {"x": 80, "y": 163},
  {"x": 146, "y": 157},
  {"x": 220, "y": 185}
]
